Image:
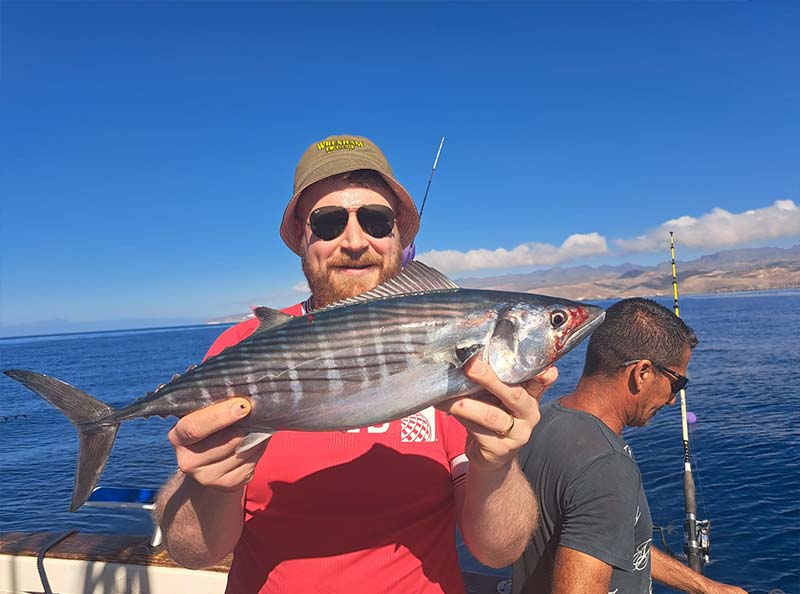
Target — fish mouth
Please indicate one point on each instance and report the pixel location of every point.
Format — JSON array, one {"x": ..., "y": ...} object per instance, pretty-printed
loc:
[{"x": 596, "y": 315}]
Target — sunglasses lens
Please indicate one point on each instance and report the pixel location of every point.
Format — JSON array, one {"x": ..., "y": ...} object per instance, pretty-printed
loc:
[
  {"x": 677, "y": 381},
  {"x": 328, "y": 222},
  {"x": 375, "y": 219}
]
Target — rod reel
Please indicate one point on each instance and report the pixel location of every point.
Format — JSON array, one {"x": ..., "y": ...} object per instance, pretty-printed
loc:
[{"x": 703, "y": 530}]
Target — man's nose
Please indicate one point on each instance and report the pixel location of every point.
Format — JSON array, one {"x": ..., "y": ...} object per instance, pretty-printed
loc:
[{"x": 354, "y": 239}]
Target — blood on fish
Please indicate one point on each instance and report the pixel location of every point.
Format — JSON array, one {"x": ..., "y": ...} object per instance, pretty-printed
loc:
[{"x": 577, "y": 316}]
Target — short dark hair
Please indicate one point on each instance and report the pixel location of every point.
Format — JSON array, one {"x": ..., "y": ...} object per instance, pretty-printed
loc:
[{"x": 637, "y": 328}]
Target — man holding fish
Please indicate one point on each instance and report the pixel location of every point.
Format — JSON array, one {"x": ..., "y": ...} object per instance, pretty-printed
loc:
[
  {"x": 364, "y": 481},
  {"x": 372, "y": 509}
]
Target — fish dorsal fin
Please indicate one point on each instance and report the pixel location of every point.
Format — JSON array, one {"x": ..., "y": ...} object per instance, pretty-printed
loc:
[
  {"x": 269, "y": 318},
  {"x": 415, "y": 278}
]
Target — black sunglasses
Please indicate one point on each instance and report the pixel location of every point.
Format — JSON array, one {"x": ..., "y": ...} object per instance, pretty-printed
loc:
[
  {"x": 676, "y": 380},
  {"x": 329, "y": 222}
]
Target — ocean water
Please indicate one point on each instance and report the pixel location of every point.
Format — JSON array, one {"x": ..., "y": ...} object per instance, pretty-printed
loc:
[{"x": 744, "y": 391}]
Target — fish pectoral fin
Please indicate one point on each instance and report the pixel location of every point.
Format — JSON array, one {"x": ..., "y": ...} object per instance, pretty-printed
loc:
[
  {"x": 464, "y": 354},
  {"x": 251, "y": 440}
]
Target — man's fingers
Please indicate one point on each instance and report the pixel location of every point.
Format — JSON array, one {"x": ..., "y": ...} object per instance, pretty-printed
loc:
[
  {"x": 515, "y": 398},
  {"x": 482, "y": 373},
  {"x": 222, "y": 473},
  {"x": 480, "y": 429},
  {"x": 217, "y": 446},
  {"x": 538, "y": 385},
  {"x": 200, "y": 424},
  {"x": 478, "y": 413}
]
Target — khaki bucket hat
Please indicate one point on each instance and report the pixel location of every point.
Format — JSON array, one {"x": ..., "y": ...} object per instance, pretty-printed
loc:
[{"x": 340, "y": 154}]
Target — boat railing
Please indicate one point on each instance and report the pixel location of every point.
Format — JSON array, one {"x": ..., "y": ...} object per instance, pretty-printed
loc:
[{"x": 127, "y": 498}]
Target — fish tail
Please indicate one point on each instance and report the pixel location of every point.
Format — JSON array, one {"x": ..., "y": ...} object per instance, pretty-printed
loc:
[{"x": 89, "y": 416}]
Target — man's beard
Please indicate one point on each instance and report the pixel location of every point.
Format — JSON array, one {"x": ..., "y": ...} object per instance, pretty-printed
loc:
[{"x": 328, "y": 287}]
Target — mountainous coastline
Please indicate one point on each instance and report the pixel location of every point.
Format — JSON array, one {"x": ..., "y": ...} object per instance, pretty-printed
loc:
[{"x": 752, "y": 269}]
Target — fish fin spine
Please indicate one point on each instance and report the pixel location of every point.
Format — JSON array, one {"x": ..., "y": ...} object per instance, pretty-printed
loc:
[
  {"x": 269, "y": 319},
  {"x": 251, "y": 440}
]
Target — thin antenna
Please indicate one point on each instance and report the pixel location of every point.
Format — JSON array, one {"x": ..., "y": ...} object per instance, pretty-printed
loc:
[
  {"x": 430, "y": 179},
  {"x": 411, "y": 250}
]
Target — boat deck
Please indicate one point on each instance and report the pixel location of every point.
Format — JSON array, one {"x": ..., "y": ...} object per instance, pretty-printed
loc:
[{"x": 84, "y": 563}]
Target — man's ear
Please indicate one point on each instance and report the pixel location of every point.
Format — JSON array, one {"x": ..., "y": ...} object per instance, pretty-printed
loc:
[
  {"x": 634, "y": 387},
  {"x": 639, "y": 375}
]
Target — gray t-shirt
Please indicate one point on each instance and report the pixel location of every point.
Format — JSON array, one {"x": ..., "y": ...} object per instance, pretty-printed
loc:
[{"x": 590, "y": 498}]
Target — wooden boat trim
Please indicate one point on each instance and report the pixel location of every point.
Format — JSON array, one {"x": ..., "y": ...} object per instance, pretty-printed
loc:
[{"x": 110, "y": 548}]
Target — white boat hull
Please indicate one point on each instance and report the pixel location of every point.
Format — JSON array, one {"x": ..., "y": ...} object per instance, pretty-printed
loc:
[{"x": 19, "y": 574}]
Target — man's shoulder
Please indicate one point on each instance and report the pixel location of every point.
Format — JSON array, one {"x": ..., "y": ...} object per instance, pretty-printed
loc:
[
  {"x": 572, "y": 438},
  {"x": 238, "y": 332},
  {"x": 231, "y": 336},
  {"x": 576, "y": 426}
]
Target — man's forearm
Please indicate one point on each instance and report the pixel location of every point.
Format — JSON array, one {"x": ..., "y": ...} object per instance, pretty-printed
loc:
[
  {"x": 676, "y": 575},
  {"x": 200, "y": 525},
  {"x": 498, "y": 514},
  {"x": 673, "y": 573}
]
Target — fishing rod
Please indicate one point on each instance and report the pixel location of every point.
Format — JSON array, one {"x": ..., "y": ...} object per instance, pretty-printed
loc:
[
  {"x": 411, "y": 250},
  {"x": 697, "y": 543}
]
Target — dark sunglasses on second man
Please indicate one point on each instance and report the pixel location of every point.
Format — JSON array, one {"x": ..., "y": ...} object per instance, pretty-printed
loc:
[
  {"x": 676, "y": 380},
  {"x": 329, "y": 222}
]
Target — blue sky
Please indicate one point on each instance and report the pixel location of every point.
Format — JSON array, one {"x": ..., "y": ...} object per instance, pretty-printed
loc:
[{"x": 148, "y": 148}]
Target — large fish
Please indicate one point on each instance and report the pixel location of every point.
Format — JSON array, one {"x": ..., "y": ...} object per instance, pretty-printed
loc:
[{"x": 377, "y": 357}]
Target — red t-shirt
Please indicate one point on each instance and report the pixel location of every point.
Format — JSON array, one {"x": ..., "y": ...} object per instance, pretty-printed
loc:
[{"x": 367, "y": 510}]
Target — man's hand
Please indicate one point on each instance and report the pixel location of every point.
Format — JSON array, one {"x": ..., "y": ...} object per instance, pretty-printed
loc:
[
  {"x": 205, "y": 445},
  {"x": 496, "y": 431},
  {"x": 200, "y": 508},
  {"x": 496, "y": 507}
]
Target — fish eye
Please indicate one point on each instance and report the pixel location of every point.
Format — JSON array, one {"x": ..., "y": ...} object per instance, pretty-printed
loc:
[{"x": 558, "y": 318}]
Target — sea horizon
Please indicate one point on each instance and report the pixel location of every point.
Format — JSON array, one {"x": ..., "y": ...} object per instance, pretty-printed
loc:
[
  {"x": 114, "y": 331},
  {"x": 167, "y": 327}
]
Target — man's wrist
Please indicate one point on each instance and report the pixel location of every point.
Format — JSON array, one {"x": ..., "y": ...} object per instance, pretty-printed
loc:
[{"x": 496, "y": 468}]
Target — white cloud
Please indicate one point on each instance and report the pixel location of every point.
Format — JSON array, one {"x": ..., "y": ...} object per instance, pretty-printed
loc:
[
  {"x": 301, "y": 287},
  {"x": 720, "y": 228},
  {"x": 526, "y": 254},
  {"x": 715, "y": 229}
]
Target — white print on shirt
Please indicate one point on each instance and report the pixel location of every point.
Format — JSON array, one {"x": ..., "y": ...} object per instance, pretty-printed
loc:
[
  {"x": 627, "y": 449},
  {"x": 372, "y": 429},
  {"x": 614, "y": 591},
  {"x": 419, "y": 427},
  {"x": 642, "y": 555},
  {"x": 638, "y": 515}
]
